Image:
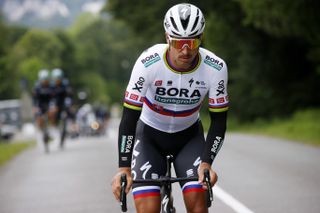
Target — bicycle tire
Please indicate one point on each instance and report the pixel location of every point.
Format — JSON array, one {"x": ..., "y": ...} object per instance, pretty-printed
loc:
[{"x": 63, "y": 129}]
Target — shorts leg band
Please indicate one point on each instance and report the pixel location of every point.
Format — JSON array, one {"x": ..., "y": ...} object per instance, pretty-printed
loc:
[
  {"x": 192, "y": 186},
  {"x": 145, "y": 191}
]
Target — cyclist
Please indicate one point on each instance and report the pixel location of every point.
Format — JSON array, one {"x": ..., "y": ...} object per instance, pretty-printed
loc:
[
  {"x": 161, "y": 112},
  {"x": 62, "y": 95},
  {"x": 42, "y": 98}
]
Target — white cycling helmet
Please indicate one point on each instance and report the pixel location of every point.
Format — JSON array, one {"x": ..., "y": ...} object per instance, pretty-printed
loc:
[
  {"x": 56, "y": 73},
  {"x": 184, "y": 21},
  {"x": 43, "y": 75}
]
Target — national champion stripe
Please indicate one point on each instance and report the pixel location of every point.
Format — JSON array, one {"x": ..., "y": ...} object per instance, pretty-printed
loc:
[
  {"x": 192, "y": 187},
  {"x": 219, "y": 109},
  {"x": 218, "y": 106},
  {"x": 146, "y": 194},
  {"x": 146, "y": 191},
  {"x": 193, "y": 190},
  {"x": 132, "y": 105},
  {"x": 167, "y": 112}
]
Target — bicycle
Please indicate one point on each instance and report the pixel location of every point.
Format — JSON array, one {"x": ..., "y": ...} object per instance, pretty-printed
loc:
[{"x": 166, "y": 188}]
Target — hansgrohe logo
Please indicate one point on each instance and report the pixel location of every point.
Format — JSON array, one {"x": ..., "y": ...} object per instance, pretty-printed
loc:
[{"x": 123, "y": 143}]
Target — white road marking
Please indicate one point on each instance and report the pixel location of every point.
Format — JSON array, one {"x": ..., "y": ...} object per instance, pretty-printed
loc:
[{"x": 236, "y": 205}]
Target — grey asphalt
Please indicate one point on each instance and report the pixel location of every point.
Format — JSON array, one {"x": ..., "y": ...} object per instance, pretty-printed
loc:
[{"x": 264, "y": 174}]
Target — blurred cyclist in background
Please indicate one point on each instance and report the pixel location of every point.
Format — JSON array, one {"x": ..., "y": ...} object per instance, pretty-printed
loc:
[
  {"x": 62, "y": 95},
  {"x": 42, "y": 96},
  {"x": 63, "y": 109},
  {"x": 42, "y": 101}
]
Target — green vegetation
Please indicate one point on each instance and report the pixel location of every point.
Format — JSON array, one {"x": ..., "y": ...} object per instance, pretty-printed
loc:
[
  {"x": 302, "y": 126},
  {"x": 272, "y": 49},
  {"x": 9, "y": 150}
]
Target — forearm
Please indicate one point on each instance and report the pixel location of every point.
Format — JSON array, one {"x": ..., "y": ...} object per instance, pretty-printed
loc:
[
  {"x": 126, "y": 137},
  {"x": 215, "y": 136}
]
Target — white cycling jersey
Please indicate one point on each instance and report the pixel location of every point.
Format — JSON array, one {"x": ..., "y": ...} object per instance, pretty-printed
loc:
[{"x": 170, "y": 99}]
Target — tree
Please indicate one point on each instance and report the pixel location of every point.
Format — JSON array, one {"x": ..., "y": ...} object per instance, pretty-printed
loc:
[
  {"x": 271, "y": 48},
  {"x": 287, "y": 19},
  {"x": 9, "y": 81},
  {"x": 107, "y": 48},
  {"x": 35, "y": 50}
]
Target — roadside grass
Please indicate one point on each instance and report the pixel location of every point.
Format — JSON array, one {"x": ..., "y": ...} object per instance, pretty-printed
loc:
[
  {"x": 302, "y": 126},
  {"x": 9, "y": 150}
]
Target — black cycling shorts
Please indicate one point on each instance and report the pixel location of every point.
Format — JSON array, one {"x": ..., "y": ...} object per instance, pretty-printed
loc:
[{"x": 151, "y": 148}]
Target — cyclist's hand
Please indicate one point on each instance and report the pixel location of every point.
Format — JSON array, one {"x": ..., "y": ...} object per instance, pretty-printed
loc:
[
  {"x": 213, "y": 174},
  {"x": 116, "y": 181}
]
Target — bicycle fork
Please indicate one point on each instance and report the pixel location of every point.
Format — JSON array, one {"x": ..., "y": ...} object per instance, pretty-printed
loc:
[{"x": 166, "y": 190}]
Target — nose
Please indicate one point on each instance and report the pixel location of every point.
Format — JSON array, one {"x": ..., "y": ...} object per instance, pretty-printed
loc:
[{"x": 185, "y": 50}]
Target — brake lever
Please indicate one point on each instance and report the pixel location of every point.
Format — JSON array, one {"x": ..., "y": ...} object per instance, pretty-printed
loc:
[
  {"x": 123, "y": 195},
  {"x": 206, "y": 179}
]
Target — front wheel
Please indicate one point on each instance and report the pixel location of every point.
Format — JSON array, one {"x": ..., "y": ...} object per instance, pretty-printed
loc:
[
  {"x": 63, "y": 130},
  {"x": 46, "y": 139}
]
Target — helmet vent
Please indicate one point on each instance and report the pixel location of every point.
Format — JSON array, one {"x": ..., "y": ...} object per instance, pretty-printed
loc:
[
  {"x": 174, "y": 24},
  {"x": 195, "y": 23},
  {"x": 185, "y": 22}
]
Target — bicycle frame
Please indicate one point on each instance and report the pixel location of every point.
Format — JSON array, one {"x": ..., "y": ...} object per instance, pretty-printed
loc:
[{"x": 166, "y": 188}]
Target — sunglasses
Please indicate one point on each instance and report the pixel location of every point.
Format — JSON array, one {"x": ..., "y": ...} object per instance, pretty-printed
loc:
[{"x": 177, "y": 43}]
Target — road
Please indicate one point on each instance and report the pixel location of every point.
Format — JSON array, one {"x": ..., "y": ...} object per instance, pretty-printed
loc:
[{"x": 256, "y": 174}]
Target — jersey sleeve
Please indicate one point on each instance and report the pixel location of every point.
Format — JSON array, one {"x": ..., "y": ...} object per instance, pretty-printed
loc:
[
  {"x": 133, "y": 101},
  {"x": 137, "y": 86},
  {"x": 218, "y": 95}
]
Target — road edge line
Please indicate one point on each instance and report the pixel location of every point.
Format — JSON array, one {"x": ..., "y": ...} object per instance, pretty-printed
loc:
[{"x": 229, "y": 200}]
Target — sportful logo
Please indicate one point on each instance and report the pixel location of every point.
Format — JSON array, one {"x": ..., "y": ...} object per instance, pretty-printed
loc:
[
  {"x": 149, "y": 60},
  {"x": 213, "y": 63},
  {"x": 189, "y": 172},
  {"x": 158, "y": 83}
]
